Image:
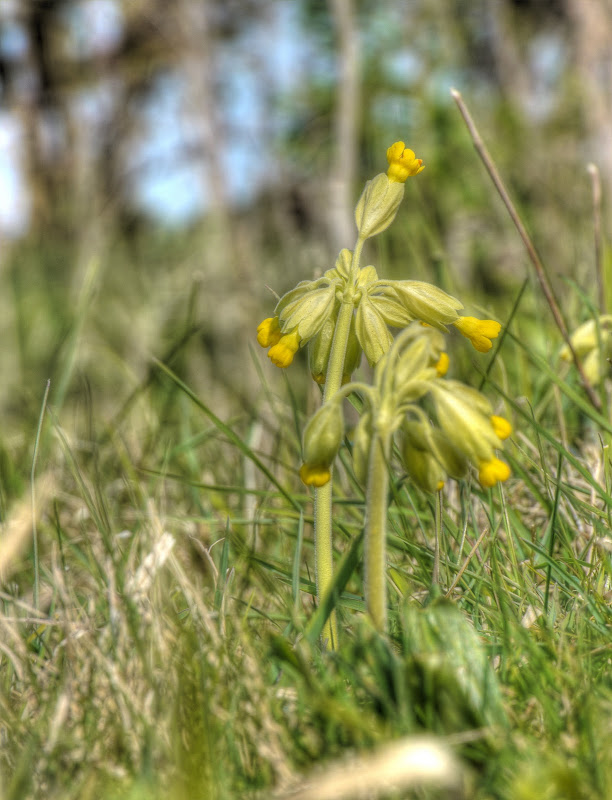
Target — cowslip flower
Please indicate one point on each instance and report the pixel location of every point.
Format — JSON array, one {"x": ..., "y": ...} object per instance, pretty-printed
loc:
[
  {"x": 316, "y": 475},
  {"x": 308, "y": 313},
  {"x": 428, "y": 303},
  {"x": 281, "y": 354},
  {"x": 402, "y": 163},
  {"x": 300, "y": 315},
  {"x": 478, "y": 331},
  {"x": 492, "y": 472},
  {"x": 322, "y": 439},
  {"x": 268, "y": 332},
  {"x": 382, "y": 195},
  {"x": 464, "y": 415},
  {"x": 501, "y": 426}
]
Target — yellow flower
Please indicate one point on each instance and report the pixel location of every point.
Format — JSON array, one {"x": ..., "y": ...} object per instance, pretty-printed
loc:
[
  {"x": 402, "y": 163},
  {"x": 442, "y": 365},
  {"x": 268, "y": 332},
  {"x": 281, "y": 354},
  {"x": 315, "y": 475},
  {"x": 479, "y": 331},
  {"x": 490, "y": 472},
  {"x": 501, "y": 426}
]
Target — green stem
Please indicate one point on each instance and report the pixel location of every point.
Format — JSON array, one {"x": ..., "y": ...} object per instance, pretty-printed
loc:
[
  {"x": 375, "y": 531},
  {"x": 324, "y": 562}
]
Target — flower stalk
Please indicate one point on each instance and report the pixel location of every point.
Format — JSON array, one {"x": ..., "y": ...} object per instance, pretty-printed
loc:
[
  {"x": 324, "y": 550},
  {"x": 376, "y": 529}
]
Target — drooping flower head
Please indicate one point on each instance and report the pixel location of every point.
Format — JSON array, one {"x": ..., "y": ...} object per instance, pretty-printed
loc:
[{"x": 307, "y": 314}]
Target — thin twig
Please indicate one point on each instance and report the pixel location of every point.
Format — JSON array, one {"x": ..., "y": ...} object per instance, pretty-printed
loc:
[
  {"x": 529, "y": 246},
  {"x": 596, "y": 187}
]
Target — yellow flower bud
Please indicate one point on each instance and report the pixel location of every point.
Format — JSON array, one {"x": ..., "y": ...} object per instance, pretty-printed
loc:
[
  {"x": 281, "y": 354},
  {"x": 492, "y": 472},
  {"x": 501, "y": 426},
  {"x": 268, "y": 332},
  {"x": 323, "y": 436},
  {"x": 315, "y": 475},
  {"x": 442, "y": 365},
  {"x": 585, "y": 337},
  {"x": 402, "y": 163},
  {"x": 464, "y": 414},
  {"x": 478, "y": 331},
  {"x": 592, "y": 365},
  {"x": 592, "y": 342}
]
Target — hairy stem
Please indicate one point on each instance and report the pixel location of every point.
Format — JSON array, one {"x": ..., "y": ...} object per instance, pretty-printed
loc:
[
  {"x": 324, "y": 564},
  {"x": 375, "y": 531}
]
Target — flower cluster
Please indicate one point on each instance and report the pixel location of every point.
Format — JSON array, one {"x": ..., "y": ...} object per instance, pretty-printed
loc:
[
  {"x": 408, "y": 370},
  {"x": 466, "y": 432},
  {"x": 307, "y": 314}
]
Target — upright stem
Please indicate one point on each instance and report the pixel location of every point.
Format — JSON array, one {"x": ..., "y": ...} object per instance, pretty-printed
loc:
[
  {"x": 375, "y": 532},
  {"x": 324, "y": 563}
]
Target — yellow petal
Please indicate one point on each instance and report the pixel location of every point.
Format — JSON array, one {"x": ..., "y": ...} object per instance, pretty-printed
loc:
[
  {"x": 501, "y": 426},
  {"x": 314, "y": 475},
  {"x": 268, "y": 332},
  {"x": 281, "y": 354},
  {"x": 490, "y": 472},
  {"x": 442, "y": 365},
  {"x": 402, "y": 163},
  {"x": 479, "y": 331}
]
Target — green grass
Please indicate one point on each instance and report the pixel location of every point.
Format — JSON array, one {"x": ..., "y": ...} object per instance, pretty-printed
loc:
[{"x": 202, "y": 677}]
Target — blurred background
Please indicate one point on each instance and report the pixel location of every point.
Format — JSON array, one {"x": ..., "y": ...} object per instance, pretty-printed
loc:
[{"x": 163, "y": 166}]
